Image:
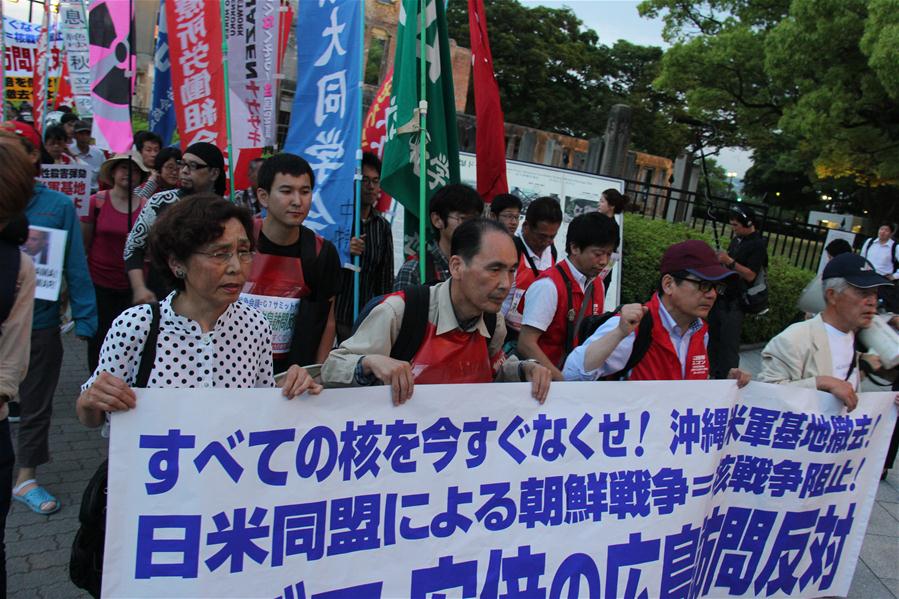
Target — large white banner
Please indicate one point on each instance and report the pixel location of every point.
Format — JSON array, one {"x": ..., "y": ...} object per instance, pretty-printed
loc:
[{"x": 632, "y": 489}]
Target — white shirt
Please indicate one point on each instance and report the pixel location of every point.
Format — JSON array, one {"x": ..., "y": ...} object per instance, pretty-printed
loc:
[
  {"x": 617, "y": 360},
  {"x": 541, "y": 299},
  {"x": 542, "y": 262},
  {"x": 236, "y": 353},
  {"x": 842, "y": 354},
  {"x": 880, "y": 255},
  {"x": 94, "y": 158}
]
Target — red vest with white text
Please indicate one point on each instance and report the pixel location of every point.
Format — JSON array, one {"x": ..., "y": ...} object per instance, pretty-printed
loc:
[
  {"x": 661, "y": 362},
  {"x": 552, "y": 341}
]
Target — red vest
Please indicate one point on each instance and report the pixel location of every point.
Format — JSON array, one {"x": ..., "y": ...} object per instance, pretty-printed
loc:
[
  {"x": 661, "y": 362},
  {"x": 524, "y": 276},
  {"x": 552, "y": 341},
  {"x": 454, "y": 357}
]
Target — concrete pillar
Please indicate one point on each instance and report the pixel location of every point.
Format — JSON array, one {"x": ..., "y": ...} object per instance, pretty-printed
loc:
[
  {"x": 615, "y": 142},
  {"x": 549, "y": 150},
  {"x": 679, "y": 203},
  {"x": 526, "y": 147},
  {"x": 594, "y": 153}
]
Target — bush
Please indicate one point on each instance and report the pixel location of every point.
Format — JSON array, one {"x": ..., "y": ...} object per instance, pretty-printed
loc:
[{"x": 646, "y": 240}]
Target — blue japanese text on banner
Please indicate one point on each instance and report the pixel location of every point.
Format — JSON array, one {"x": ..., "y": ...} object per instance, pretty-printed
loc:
[
  {"x": 324, "y": 123},
  {"x": 162, "y": 114},
  {"x": 658, "y": 489}
]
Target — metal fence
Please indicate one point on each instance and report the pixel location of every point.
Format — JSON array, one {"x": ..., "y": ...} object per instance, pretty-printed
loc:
[{"x": 800, "y": 243}]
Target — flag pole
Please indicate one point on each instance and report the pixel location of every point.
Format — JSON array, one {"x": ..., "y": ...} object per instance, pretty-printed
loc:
[
  {"x": 357, "y": 221},
  {"x": 422, "y": 143},
  {"x": 45, "y": 102},
  {"x": 227, "y": 101}
]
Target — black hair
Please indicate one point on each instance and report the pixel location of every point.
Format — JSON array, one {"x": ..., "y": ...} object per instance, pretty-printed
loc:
[
  {"x": 890, "y": 226},
  {"x": 68, "y": 117},
  {"x": 589, "y": 229},
  {"x": 456, "y": 198},
  {"x": 744, "y": 216},
  {"x": 372, "y": 161},
  {"x": 837, "y": 247},
  {"x": 615, "y": 199},
  {"x": 190, "y": 224},
  {"x": 55, "y": 133},
  {"x": 65, "y": 109},
  {"x": 466, "y": 242},
  {"x": 142, "y": 137},
  {"x": 503, "y": 201},
  {"x": 543, "y": 210},
  {"x": 286, "y": 164},
  {"x": 166, "y": 154}
]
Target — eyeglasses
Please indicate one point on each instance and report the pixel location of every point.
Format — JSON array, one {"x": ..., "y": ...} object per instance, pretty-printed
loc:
[
  {"x": 191, "y": 166},
  {"x": 509, "y": 217},
  {"x": 705, "y": 286},
  {"x": 224, "y": 258}
]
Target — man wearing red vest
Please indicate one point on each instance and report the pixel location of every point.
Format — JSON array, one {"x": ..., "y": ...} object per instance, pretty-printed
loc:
[
  {"x": 456, "y": 345},
  {"x": 690, "y": 283},
  {"x": 536, "y": 254},
  {"x": 554, "y": 304}
]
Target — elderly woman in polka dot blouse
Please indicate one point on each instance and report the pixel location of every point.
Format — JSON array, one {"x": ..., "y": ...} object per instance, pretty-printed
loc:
[{"x": 206, "y": 338}]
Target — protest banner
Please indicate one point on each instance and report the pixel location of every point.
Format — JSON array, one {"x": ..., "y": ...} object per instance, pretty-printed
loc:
[
  {"x": 74, "y": 180},
  {"x": 73, "y": 23},
  {"x": 197, "y": 68},
  {"x": 161, "y": 118},
  {"x": 618, "y": 489},
  {"x": 47, "y": 248},
  {"x": 252, "y": 30},
  {"x": 325, "y": 123},
  {"x": 20, "y": 49}
]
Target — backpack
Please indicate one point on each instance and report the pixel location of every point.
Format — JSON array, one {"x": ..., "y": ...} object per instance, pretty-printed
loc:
[
  {"x": 590, "y": 324},
  {"x": 414, "y": 323},
  {"x": 86, "y": 560},
  {"x": 522, "y": 251}
]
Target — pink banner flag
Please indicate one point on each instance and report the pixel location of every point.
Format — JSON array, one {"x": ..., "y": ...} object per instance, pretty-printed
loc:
[{"x": 112, "y": 66}]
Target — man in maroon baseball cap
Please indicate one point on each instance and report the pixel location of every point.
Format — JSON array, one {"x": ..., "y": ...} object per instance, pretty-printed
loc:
[{"x": 665, "y": 338}]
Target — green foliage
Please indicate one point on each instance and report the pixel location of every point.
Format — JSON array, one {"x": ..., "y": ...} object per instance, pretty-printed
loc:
[{"x": 646, "y": 240}]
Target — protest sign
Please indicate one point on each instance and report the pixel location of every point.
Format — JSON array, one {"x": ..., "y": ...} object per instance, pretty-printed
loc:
[
  {"x": 73, "y": 23},
  {"x": 619, "y": 489},
  {"x": 74, "y": 180},
  {"x": 47, "y": 248},
  {"x": 20, "y": 40}
]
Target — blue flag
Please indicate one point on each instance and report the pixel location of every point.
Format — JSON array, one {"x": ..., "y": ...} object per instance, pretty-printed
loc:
[
  {"x": 325, "y": 123},
  {"x": 162, "y": 113}
]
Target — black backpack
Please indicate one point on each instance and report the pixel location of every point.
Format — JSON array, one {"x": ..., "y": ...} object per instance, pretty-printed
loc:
[
  {"x": 641, "y": 343},
  {"x": 86, "y": 560},
  {"x": 415, "y": 321}
]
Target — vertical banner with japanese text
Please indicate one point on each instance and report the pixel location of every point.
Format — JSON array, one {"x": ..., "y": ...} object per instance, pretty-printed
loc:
[
  {"x": 324, "y": 122},
  {"x": 624, "y": 489},
  {"x": 161, "y": 119},
  {"x": 197, "y": 64},
  {"x": 374, "y": 130},
  {"x": 252, "y": 29},
  {"x": 40, "y": 76},
  {"x": 73, "y": 23},
  {"x": 113, "y": 64}
]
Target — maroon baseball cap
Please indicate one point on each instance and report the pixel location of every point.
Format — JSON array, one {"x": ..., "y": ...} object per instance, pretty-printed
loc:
[{"x": 695, "y": 257}]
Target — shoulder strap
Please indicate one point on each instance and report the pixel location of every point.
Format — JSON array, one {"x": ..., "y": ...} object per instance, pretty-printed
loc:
[
  {"x": 555, "y": 254},
  {"x": 866, "y": 246},
  {"x": 11, "y": 260},
  {"x": 522, "y": 251},
  {"x": 641, "y": 345},
  {"x": 148, "y": 355},
  {"x": 893, "y": 254},
  {"x": 310, "y": 247},
  {"x": 569, "y": 321},
  {"x": 414, "y": 324}
]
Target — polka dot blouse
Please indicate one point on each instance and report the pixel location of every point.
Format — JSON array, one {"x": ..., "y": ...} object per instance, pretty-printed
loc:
[{"x": 237, "y": 353}]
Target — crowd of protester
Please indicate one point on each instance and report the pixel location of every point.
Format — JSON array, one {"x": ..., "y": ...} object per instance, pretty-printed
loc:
[{"x": 163, "y": 279}]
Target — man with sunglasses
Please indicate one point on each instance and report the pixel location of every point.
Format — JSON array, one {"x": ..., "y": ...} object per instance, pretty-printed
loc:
[
  {"x": 691, "y": 279},
  {"x": 202, "y": 170},
  {"x": 747, "y": 257}
]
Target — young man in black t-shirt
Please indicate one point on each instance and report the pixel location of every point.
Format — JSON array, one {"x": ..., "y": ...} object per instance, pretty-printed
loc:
[{"x": 295, "y": 273}]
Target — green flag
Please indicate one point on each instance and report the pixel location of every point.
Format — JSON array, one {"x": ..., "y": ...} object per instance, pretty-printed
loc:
[{"x": 400, "y": 168}]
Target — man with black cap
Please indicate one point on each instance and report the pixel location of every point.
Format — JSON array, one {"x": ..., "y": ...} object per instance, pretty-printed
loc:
[
  {"x": 747, "y": 256},
  {"x": 674, "y": 336},
  {"x": 86, "y": 152},
  {"x": 819, "y": 353},
  {"x": 202, "y": 170}
]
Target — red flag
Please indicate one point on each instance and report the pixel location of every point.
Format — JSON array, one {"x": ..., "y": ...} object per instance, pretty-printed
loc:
[
  {"x": 64, "y": 95},
  {"x": 374, "y": 130},
  {"x": 490, "y": 143},
  {"x": 39, "y": 80}
]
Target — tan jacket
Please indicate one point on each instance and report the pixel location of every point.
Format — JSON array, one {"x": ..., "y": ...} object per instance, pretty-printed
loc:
[
  {"x": 15, "y": 335},
  {"x": 379, "y": 330},
  {"x": 797, "y": 355}
]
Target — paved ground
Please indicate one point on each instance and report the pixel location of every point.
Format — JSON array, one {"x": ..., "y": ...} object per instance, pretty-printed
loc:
[{"x": 38, "y": 546}]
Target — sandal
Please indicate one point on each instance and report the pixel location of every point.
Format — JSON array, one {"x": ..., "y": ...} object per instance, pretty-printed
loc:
[{"x": 36, "y": 498}]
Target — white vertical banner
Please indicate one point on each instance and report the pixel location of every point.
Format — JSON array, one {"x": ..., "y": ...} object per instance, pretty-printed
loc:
[
  {"x": 73, "y": 22},
  {"x": 251, "y": 27}
]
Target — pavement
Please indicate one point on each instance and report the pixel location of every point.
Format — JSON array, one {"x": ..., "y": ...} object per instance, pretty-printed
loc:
[{"x": 38, "y": 547}]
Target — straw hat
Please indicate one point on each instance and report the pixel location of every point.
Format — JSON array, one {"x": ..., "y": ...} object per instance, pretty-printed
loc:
[{"x": 107, "y": 167}]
